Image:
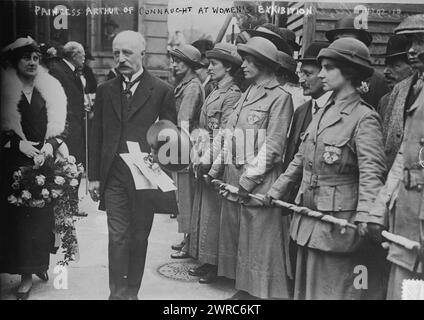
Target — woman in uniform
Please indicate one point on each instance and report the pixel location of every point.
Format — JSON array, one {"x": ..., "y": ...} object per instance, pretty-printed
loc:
[
  {"x": 224, "y": 63},
  {"x": 251, "y": 245},
  {"x": 189, "y": 97},
  {"x": 341, "y": 166}
]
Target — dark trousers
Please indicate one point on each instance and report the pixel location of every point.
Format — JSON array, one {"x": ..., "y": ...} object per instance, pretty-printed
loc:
[{"x": 130, "y": 217}]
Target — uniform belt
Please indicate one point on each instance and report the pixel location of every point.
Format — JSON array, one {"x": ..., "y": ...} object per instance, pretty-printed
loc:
[
  {"x": 315, "y": 180},
  {"x": 413, "y": 178}
]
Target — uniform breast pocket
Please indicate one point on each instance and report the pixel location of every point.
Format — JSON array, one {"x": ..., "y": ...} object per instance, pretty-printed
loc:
[
  {"x": 257, "y": 116},
  {"x": 334, "y": 148}
]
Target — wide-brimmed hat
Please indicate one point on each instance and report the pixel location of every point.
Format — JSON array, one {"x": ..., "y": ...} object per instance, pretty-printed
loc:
[
  {"x": 312, "y": 51},
  {"x": 272, "y": 36},
  {"x": 226, "y": 52},
  {"x": 346, "y": 24},
  {"x": 188, "y": 54},
  {"x": 262, "y": 49},
  {"x": 288, "y": 65},
  {"x": 351, "y": 51},
  {"x": 397, "y": 47},
  {"x": 411, "y": 24},
  {"x": 19, "y": 47},
  {"x": 290, "y": 37},
  {"x": 165, "y": 132}
]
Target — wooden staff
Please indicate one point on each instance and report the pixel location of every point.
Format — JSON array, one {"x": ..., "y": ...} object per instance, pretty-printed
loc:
[{"x": 343, "y": 223}]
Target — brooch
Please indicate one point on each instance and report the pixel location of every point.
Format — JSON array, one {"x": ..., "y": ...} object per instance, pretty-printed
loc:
[{"x": 331, "y": 154}]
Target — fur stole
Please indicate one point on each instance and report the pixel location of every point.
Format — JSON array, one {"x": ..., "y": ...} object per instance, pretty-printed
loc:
[{"x": 51, "y": 91}]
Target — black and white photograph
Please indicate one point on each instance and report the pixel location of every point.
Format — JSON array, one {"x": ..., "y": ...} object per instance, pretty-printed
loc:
[{"x": 211, "y": 150}]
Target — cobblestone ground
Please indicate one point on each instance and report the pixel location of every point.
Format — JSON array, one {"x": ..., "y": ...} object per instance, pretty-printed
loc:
[{"x": 87, "y": 279}]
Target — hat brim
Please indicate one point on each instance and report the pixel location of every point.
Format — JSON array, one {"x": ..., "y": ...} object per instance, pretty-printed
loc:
[
  {"x": 400, "y": 55},
  {"x": 409, "y": 30},
  {"x": 279, "y": 42},
  {"x": 213, "y": 54},
  {"x": 332, "y": 54},
  {"x": 244, "y": 49},
  {"x": 363, "y": 35},
  {"x": 194, "y": 64}
]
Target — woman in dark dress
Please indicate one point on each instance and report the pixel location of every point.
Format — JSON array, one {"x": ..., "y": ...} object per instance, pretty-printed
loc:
[{"x": 33, "y": 116}]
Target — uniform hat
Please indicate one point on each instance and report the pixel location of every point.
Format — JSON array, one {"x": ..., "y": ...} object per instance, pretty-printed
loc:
[
  {"x": 272, "y": 36},
  {"x": 262, "y": 49},
  {"x": 351, "y": 51},
  {"x": 188, "y": 54},
  {"x": 312, "y": 51},
  {"x": 288, "y": 66},
  {"x": 165, "y": 131},
  {"x": 226, "y": 52},
  {"x": 290, "y": 37},
  {"x": 397, "y": 47},
  {"x": 346, "y": 24},
  {"x": 411, "y": 24}
]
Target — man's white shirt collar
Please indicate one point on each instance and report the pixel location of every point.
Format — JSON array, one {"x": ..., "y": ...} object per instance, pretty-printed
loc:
[
  {"x": 321, "y": 101},
  {"x": 134, "y": 76}
]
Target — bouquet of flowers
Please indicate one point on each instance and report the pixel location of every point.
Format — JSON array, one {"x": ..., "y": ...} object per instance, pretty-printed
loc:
[{"x": 54, "y": 183}]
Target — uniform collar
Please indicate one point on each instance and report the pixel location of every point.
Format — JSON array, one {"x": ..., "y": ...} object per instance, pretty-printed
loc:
[
  {"x": 346, "y": 103},
  {"x": 225, "y": 83},
  {"x": 268, "y": 83}
]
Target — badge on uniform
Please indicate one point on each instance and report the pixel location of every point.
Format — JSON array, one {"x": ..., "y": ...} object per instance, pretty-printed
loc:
[
  {"x": 331, "y": 154},
  {"x": 253, "y": 117},
  {"x": 213, "y": 123}
]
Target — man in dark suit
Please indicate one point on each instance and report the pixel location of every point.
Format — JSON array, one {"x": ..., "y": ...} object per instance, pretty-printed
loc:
[
  {"x": 125, "y": 108},
  {"x": 312, "y": 86},
  {"x": 66, "y": 70}
]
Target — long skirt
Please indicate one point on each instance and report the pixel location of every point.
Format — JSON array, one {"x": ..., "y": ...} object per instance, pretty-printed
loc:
[
  {"x": 184, "y": 194},
  {"x": 205, "y": 219},
  {"x": 326, "y": 276},
  {"x": 253, "y": 244},
  {"x": 262, "y": 253},
  {"x": 28, "y": 238},
  {"x": 397, "y": 275}
]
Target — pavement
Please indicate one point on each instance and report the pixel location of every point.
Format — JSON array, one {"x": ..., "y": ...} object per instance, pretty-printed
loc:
[{"x": 87, "y": 279}]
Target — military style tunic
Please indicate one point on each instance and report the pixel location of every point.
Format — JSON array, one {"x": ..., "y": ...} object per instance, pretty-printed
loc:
[
  {"x": 189, "y": 96},
  {"x": 205, "y": 218},
  {"x": 341, "y": 159},
  {"x": 405, "y": 185},
  {"x": 251, "y": 244}
]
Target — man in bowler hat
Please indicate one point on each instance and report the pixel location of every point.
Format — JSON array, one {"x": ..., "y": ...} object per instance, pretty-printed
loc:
[
  {"x": 397, "y": 66},
  {"x": 125, "y": 108}
]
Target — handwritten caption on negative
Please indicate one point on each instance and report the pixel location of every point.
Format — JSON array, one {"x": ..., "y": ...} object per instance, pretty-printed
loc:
[{"x": 94, "y": 11}]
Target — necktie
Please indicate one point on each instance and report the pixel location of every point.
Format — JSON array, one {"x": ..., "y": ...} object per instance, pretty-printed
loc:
[
  {"x": 315, "y": 107},
  {"x": 128, "y": 85}
]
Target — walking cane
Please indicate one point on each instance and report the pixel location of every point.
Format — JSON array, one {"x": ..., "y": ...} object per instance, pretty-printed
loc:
[
  {"x": 343, "y": 223},
  {"x": 86, "y": 111}
]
